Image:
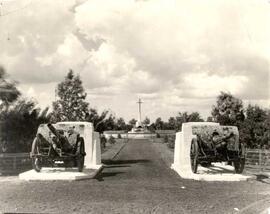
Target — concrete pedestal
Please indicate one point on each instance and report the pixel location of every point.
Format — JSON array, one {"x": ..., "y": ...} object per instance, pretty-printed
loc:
[
  {"x": 92, "y": 162},
  {"x": 182, "y": 163},
  {"x": 47, "y": 174}
]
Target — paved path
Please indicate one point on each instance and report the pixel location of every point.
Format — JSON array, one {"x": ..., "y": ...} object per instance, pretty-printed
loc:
[{"x": 136, "y": 181}]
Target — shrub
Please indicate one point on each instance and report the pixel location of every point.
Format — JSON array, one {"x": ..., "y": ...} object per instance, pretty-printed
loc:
[
  {"x": 119, "y": 136},
  {"x": 158, "y": 135},
  {"x": 166, "y": 139},
  {"x": 171, "y": 142},
  {"x": 103, "y": 141},
  {"x": 111, "y": 140},
  {"x": 19, "y": 125}
]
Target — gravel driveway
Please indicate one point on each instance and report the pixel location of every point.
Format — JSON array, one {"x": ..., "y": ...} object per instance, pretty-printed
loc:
[{"x": 137, "y": 181}]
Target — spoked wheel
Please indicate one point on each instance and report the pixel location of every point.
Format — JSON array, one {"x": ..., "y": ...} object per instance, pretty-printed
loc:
[
  {"x": 80, "y": 154},
  {"x": 239, "y": 163},
  {"x": 36, "y": 162},
  {"x": 194, "y": 155}
]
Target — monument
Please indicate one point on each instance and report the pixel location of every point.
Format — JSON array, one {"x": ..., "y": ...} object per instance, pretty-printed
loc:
[
  {"x": 198, "y": 156},
  {"x": 140, "y": 130},
  {"x": 53, "y": 160}
]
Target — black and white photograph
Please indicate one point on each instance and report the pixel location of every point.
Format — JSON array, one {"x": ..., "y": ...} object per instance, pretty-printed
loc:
[{"x": 135, "y": 106}]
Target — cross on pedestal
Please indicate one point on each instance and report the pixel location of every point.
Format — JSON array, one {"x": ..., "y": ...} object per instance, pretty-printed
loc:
[{"x": 140, "y": 110}]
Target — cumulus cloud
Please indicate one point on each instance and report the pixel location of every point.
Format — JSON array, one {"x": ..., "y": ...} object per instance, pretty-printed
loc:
[
  {"x": 171, "y": 39},
  {"x": 172, "y": 53}
]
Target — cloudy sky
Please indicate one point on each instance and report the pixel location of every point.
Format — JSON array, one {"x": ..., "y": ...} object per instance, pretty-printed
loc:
[{"x": 175, "y": 55}]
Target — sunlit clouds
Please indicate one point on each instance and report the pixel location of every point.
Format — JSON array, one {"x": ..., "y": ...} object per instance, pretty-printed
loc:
[{"x": 176, "y": 55}]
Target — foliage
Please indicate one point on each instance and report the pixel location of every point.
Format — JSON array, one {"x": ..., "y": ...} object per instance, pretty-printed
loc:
[
  {"x": 101, "y": 122},
  {"x": 8, "y": 91},
  {"x": 71, "y": 105},
  {"x": 119, "y": 136},
  {"x": 121, "y": 124},
  {"x": 255, "y": 129},
  {"x": 111, "y": 140},
  {"x": 19, "y": 125},
  {"x": 132, "y": 122},
  {"x": 146, "y": 121},
  {"x": 175, "y": 123},
  {"x": 228, "y": 109},
  {"x": 103, "y": 141},
  {"x": 159, "y": 124},
  {"x": 166, "y": 139},
  {"x": 172, "y": 123},
  {"x": 209, "y": 119},
  {"x": 171, "y": 142}
]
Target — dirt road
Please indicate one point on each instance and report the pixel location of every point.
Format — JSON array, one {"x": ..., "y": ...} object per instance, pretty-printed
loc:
[{"x": 136, "y": 181}]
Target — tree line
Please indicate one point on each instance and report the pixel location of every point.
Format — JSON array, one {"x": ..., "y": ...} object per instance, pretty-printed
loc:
[{"x": 20, "y": 116}]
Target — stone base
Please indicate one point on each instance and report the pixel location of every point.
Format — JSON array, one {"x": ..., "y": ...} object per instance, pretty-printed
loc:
[
  {"x": 140, "y": 135},
  {"x": 70, "y": 174},
  {"x": 216, "y": 172}
]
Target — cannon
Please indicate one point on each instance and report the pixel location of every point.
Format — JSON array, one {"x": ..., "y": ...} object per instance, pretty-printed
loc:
[
  {"x": 57, "y": 147},
  {"x": 216, "y": 144}
]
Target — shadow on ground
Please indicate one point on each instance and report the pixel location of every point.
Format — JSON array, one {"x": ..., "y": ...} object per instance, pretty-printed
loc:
[
  {"x": 108, "y": 164},
  {"x": 119, "y": 162},
  {"x": 263, "y": 179},
  {"x": 102, "y": 175}
]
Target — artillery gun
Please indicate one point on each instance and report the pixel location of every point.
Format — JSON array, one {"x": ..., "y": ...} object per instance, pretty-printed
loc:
[
  {"x": 216, "y": 144},
  {"x": 55, "y": 147}
]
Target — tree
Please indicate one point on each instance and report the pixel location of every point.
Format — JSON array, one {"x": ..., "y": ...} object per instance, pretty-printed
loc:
[
  {"x": 8, "y": 91},
  {"x": 120, "y": 124},
  {"x": 132, "y": 122},
  {"x": 19, "y": 125},
  {"x": 184, "y": 117},
  {"x": 71, "y": 105},
  {"x": 104, "y": 121},
  {"x": 146, "y": 121},
  {"x": 172, "y": 123},
  {"x": 109, "y": 123},
  {"x": 209, "y": 119},
  {"x": 194, "y": 117},
  {"x": 228, "y": 109},
  {"x": 255, "y": 129},
  {"x": 159, "y": 124}
]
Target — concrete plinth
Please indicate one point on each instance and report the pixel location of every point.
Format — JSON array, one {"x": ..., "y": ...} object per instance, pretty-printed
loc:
[
  {"x": 182, "y": 164},
  {"x": 216, "y": 172},
  {"x": 92, "y": 161},
  {"x": 48, "y": 174}
]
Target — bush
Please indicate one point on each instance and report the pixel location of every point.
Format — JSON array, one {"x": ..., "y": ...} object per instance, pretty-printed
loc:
[
  {"x": 103, "y": 141},
  {"x": 158, "y": 135},
  {"x": 19, "y": 125},
  {"x": 119, "y": 136},
  {"x": 171, "y": 142},
  {"x": 166, "y": 139},
  {"x": 111, "y": 140}
]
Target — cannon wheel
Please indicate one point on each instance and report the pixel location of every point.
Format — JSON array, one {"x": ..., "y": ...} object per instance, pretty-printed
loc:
[
  {"x": 194, "y": 155},
  {"x": 80, "y": 154},
  {"x": 36, "y": 162},
  {"x": 239, "y": 164}
]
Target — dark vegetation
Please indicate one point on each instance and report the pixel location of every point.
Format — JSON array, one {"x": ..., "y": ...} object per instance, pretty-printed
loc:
[{"x": 20, "y": 116}]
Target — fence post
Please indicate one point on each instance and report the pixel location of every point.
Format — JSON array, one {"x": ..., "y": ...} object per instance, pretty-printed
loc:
[
  {"x": 14, "y": 163},
  {"x": 260, "y": 159}
]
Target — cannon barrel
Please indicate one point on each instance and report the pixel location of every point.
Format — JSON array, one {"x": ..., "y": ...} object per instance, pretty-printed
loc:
[
  {"x": 65, "y": 144},
  {"x": 54, "y": 131}
]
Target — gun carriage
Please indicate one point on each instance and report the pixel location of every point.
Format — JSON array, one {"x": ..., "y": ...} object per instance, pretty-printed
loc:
[
  {"x": 57, "y": 147},
  {"x": 216, "y": 144}
]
